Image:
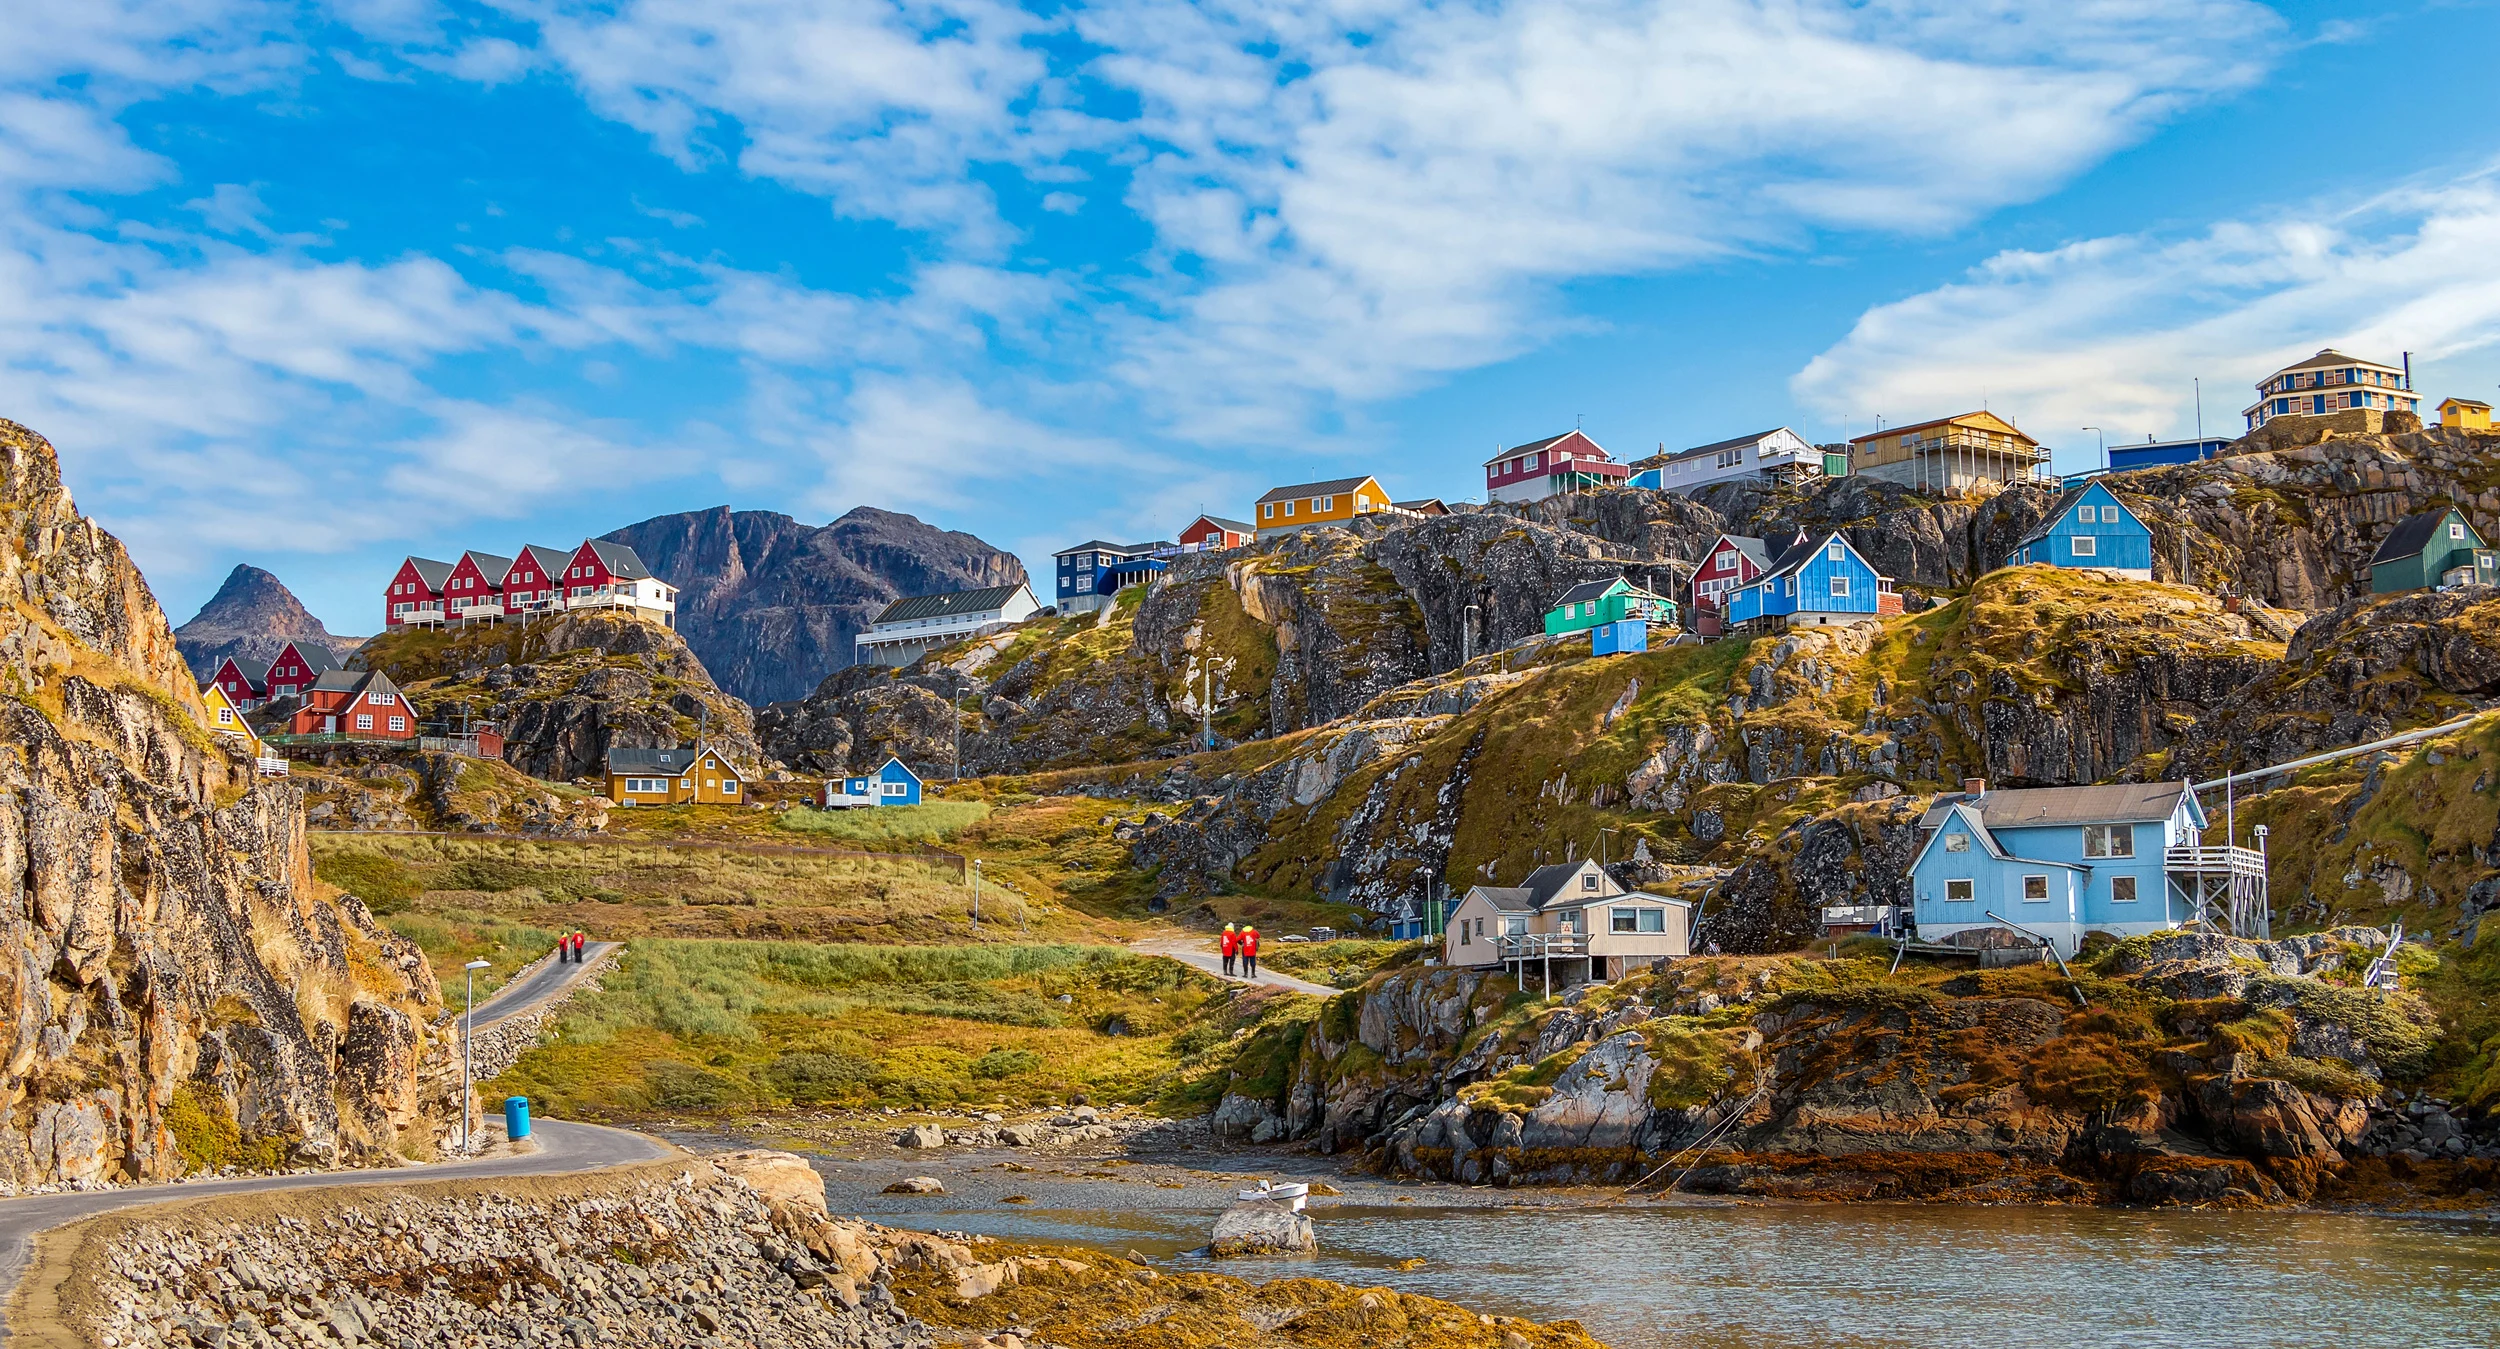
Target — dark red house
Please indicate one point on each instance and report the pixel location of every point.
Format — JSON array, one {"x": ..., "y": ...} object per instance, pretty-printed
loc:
[
  {"x": 416, "y": 592},
  {"x": 535, "y": 579},
  {"x": 1212, "y": 532},
  {"x": 474, "y": 590},
  {"x": 244, "y": 683},
  {"x": 296, "y": 667}
]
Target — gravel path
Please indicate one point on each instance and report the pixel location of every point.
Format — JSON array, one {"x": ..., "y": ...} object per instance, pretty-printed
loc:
[
  {"x": 541, "y": 983},
  {"x": 1202, "y": 954}
]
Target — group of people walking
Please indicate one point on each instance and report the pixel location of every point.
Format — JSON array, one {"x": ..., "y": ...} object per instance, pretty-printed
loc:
[
  {"x": 1241, "y": 951},
  {"x": 569, "y": 947}
]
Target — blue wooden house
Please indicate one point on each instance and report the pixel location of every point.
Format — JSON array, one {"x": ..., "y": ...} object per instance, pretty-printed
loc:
[
  {"x": 2059, "y": 862},
  {"x": 2090, "y": 527},
  {"x": 892, "y": 785},
  {"x": 1092, "y": 572},
  {"x": 1814, "y": 582}
]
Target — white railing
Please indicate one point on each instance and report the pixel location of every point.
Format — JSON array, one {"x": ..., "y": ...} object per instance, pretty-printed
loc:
[
  {"x": 271, "y": 766},
  {"x": 1539, "y": 945},
  {"x": 1857, "y": 915},
  {"x": 2215, "y": 859}
]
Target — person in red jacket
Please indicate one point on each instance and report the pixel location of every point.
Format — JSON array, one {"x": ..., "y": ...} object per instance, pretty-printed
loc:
[
  {"x": 1250, "y": 952},
  {"x": 1231, "y": 944}
]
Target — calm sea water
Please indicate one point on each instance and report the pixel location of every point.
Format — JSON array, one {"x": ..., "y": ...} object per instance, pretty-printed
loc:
[{"x": 1773, "y": 1277}]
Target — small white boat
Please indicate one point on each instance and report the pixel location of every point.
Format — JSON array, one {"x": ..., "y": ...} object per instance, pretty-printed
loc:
[{"x": 1292, "y": 1195}]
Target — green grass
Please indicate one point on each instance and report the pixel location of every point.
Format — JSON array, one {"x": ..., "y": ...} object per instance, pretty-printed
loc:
[
  {"x": 928, "y": 822},
  {"x": 452, "y": 939}
]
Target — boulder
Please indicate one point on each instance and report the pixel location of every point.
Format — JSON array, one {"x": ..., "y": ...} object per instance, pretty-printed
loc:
[
  {"x": 921, "y": 1136},
  {"x": 917, "y": 1185},
  {"x": 783, "y": 1176},
  {"x": 1262, "y": 1227}
]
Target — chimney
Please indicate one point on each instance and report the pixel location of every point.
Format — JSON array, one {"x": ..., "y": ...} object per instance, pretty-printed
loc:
[{"x": 1974, "y": 787}]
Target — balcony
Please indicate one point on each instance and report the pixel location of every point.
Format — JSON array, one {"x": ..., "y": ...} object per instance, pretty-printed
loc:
[
  {"x": 2214, "y": 860},
  {"x": 1541, "y": 945}
]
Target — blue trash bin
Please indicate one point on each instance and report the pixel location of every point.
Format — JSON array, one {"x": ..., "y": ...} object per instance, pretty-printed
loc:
[{"x": 516, "y": 1117}]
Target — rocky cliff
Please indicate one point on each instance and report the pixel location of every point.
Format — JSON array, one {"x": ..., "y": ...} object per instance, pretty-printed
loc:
[
  {"x": 771, "y": 605},
  {"x": 2176, "y": 1068},
  {"x": 185, "y": 995},
  {"x": 567, "y": 688},
  {"x": 251, "y": 618}
]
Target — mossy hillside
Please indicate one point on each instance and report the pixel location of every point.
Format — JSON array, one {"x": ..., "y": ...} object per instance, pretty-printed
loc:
[{"x": 708, "y": 1028}]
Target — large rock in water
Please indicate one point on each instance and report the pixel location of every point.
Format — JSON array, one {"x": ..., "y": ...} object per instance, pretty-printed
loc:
[
  {"x": 251, "y": 617},
  {"x": 1262, "y": 1227},
  {"x": 773, "y": 606},
  {"x": 178, "y": 984}
]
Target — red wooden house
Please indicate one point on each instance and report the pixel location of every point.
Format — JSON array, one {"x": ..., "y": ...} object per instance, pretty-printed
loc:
[
  {"x": 416, "y": 593},
  {"x": 610, "y": 574},
  {"x": 297, "y": 666},
  {"x": 364, "y": 704},
  {"x": 535, "y": 579},
  {"x": 1210, "y": 533},
  {"x": 245, "y": 683},
  {"x": 474, "y": 590}
]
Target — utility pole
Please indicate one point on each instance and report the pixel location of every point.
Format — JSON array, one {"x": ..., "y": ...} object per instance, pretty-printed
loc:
[
  {"x": 468, "y": 1037},
  {"x": 1206, "y": 697},
  {"x": 976, "y": 894}
]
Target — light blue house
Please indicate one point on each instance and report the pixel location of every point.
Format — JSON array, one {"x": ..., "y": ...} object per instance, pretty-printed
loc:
[
  {"x": 893, "y": 785},
  {"x": 2058, "y": 862},
  {"x": 2091, "y": 527},
  {"x": 1813, "y": 582}
]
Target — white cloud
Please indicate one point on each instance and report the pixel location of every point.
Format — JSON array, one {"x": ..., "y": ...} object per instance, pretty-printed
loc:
[
  {"x": 2109, "y": 332},
  {"x": 905, "y": 442}
]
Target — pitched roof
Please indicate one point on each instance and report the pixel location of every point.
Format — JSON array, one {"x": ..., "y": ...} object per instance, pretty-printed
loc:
[
  {"x": 1717, "y": 445},
  {"x": 1753, "y": 548},
  {"x": 2413, "y": 534},
  {"x": 643, "y": 760},
  {"x": 489, "y": 565},
  {"x": 254, "y": 672},
  {"x": 431, "y": 572},
  {"x": 551, "y": 561},
  {"x": 2330, "y": 357},
  {"x": 2111, "y": 803},
  {"x": 315, "y": 656},
  {"x": 2066, "y": 501},
  {"x": 1796, "y": 555},
  {"x": 619, "y": 560},
  {"x": 338, "y": 681},
  {"x": 1236, "y": 526},
  {"x": 1089, "y": 546},
  {"x": 1590, "y": 590},
  {"x": 2010, "y": 428},
  {"x": 2446, "y": 403},
  {"x": 947, "y": 605},
  {"x": 1534, "y": 446},
  {"x": 1307, "y": 489},
  {"x": 1508, "y": 898},
  {"x": 1424, "y": 506}
]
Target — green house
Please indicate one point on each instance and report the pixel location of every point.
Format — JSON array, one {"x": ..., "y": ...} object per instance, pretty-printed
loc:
[
  {"x": 1591, "y": 603},
  {"x": 2424, "y": 548}
]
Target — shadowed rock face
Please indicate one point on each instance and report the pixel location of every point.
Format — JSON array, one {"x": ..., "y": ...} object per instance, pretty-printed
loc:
[
  {"x": 251, "y": 617},
  {"x": 772, "y": 605},
  {"x": 176, "y": 970}
]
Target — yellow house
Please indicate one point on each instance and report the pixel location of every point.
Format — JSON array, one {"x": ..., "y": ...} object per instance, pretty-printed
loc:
[
  {"x": 226, "y": 719},
  {"x": 2465, "y": 414},
  {"x": 1319, "y": 503},
  {"x": 669, "y": 777},
  {"x": 1949, "y": 453}
]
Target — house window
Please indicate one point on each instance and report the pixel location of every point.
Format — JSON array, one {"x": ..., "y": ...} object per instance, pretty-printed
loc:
[
  {"x": 2108, "y": 840},
  {"x": 1636, "y": 920},
  {"x": 225, "y": 716},
  {"x": 1840, "y": 586},
  {"x": 1465, "y": 938},
  {"x": 2035, "y": 889},
  {"x": 1833, "y": 553},
  {"x": 729, "y": 787},
  {"x": 1957, "y": 892},
  {"x": 893, "y": 789},
  {"x": 399, "y": 723},
  {"x": 2084, "y": 545},
  {"x": 1588, "y": 882},
  {"x": 1288, "y": 510},
  {"x": 2087, "y": 514},
  {"x": 2455, "y": 530},
  {"x": 1514, "y": 927},
  {"x": 2122, "y": 889},
  {"x": 1319, "y": 504},
  {"x": 364, "y": 722},
  {"x": 1531, "y": 461},
  {"x": 685, "y": 784}
]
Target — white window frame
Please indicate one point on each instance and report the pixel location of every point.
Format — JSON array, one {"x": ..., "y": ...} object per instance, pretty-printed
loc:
[
  {"x": 2455, "y": 530},
  {"x": 729, "y": 786},
  {"x": 2042, "y": 897},
  {"x": 1288, "y": 510},
  {"x": 1840, "y": 587},
  {"x": 364, "y": 721},
  {"x": 225, "y": 716},
  {"x": 2084, "y": 545},
  {"x": 2087, "y": 514},
  {"x": 1834, "y": 551},
  {"x": 399, "y": 723},
  {"x": 1970, "y": 890},
  {"x": 2127, "y": 898}
]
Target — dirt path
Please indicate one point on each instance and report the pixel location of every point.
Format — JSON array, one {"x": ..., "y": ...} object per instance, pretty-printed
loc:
[
  {"x": 1201, "y": 953},
  {"x": 563, "y": 1148},
  {"x": 541, "y": 982}
]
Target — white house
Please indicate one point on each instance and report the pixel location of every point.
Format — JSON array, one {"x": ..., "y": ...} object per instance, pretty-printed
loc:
[
  {"x": 914, "y": 627},
  {"x": 1571, "y": 915},
  {"x": 1775, "y": 453}
]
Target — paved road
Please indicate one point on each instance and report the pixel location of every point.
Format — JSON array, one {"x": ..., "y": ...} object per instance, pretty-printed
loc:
[
  {"x": 1203, "y": 954},
  {"x": 539, "y": 984},
  {"x": 562, "y": 1148}
]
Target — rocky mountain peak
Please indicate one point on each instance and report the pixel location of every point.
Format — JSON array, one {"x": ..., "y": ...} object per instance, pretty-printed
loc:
[{"x": 251, "y": 617}]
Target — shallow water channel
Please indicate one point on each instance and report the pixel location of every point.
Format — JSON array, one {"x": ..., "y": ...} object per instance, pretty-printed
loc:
[{"x": 1651, "y": 1276}]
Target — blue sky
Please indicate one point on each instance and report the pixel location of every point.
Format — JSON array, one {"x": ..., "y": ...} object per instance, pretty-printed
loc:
[{"x": 315, "y": 286}]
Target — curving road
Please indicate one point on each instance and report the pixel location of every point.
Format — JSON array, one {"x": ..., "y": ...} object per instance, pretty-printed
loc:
[
  {"x": 1201, "y": 953},
  {"x": 562, "y": 1148},
  {"x": 540, "y": 983}
]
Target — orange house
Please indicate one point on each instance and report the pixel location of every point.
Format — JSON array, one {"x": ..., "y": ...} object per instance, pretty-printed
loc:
[
  {"x": 699, "y": 776},
  {"x": 1305, "y": 504}
]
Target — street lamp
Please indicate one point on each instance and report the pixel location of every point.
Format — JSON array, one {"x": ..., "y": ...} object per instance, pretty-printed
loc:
[
  {"x": 468, "y": 1035},
  {"x": 2104, "y": 443}
]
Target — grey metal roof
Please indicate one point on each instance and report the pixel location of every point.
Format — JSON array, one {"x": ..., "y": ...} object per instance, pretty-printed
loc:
[
  {"x": 433, "y": 573},
  {"x": 1508, "y": 898},
  {"x": 551, "y": 561},
  {"x": 338, "y": 681},
  {"x": 1236, "y": 526},
  {"x": 1717, "y": 445},
  {"x": 1423, "y": 505},
  {"x": 1307, "y": 489},
  {"x": 1796, "y": 555},
  {"x": 949, "y": 604},
  {"x": 2111, "y": 803},
  {"x": 620, "y": 560},
  {"x": 490, "y": 566},
  {"x": 2413, "y": 534},
  {"x": 317, "y": 657},
  {"x": 1089, "y": 546},
  {"x": 2332, "y": 357},
  {"x": 655, "y": 760}
]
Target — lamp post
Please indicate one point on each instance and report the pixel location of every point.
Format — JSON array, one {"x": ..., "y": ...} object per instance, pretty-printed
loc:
[
  {"x": 976, "y": 894},
  {"x": 1467, "y": 636},
  {"x": 2103, "y": 440},
  {"x": 468, "y": 1036}
]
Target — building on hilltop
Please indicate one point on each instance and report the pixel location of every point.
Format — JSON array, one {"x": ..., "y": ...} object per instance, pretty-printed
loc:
[
  {"x": 488, "y": 587},
  {"x": 415, "y": 597},
  {"x": 1214, "y": 533},
  {"x": 603, "y": 575},
  {"x": 2089, "y": 527},
  {"x": 1093, "y": 572},
  {"x": 2161, "y": 453},
  {"x": 534, "y": 582},
  {"x": 1778, "y": 454},
  {"x": 2058, "y": 862},
  {"x": 2433, "y": 549},
  {"x": 1814, "y": 583},
  {"x": 2332, "y": 382},
  {"x": 1950, "y": 453},
  {"x": 354, "y": 705},
  {"x": 1733, "y": 560},
  {"x": 1606, "y": 603},
  {"x": 2465, "y": 414},
  {"x": 893, "y": 784},
  {"x": 1568, "y": 919},
  {"x": 1334, "y": 502},
  {"x": 1422, "y": 506},
  {"x": 699, "y": 775},
  {"x": 245, "y": 684},
  {"x": 1570, "y": 462},
  {"x": 913, "y": 627},
  {"x": 474, "y": 591}
]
